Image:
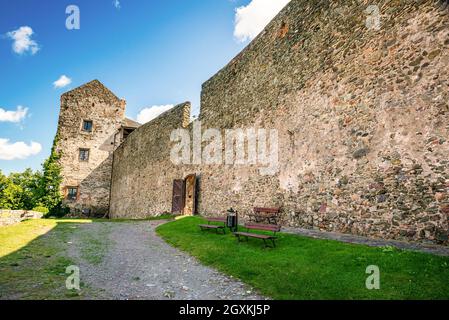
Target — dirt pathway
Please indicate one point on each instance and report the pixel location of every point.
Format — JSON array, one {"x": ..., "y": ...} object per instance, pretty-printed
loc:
[{"x": 134, "y": 263}]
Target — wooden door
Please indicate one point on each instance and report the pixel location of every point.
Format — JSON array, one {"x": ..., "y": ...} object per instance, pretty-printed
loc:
[{"x": 178, "y": 197}]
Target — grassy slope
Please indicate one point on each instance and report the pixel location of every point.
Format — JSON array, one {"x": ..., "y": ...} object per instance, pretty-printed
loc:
[
  {"x": 304, "y": 268},
  {"x": 33, "y": 257},
  {"x": 33, "y": 260}
]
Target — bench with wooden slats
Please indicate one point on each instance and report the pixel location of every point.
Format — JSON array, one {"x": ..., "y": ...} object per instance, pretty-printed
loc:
[
  {"x": 270, "y": 215},
  {"x": 211, "y": 226},
  {"x": 259, "y": 227}
]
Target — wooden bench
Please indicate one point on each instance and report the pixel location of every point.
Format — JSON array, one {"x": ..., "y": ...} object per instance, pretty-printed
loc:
[
  {"x": 259, "y": 227},
  {"x": 269, "y": 215},
  {"x": 215, "y": 227}
]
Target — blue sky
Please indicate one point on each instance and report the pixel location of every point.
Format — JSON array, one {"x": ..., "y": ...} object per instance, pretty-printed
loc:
[{"x": 149, "y": 52}]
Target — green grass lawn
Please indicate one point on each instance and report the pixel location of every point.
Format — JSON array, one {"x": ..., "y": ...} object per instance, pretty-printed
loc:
[
  {"x": 305, "y": 268},
  {"x": 33, "y": 260}
]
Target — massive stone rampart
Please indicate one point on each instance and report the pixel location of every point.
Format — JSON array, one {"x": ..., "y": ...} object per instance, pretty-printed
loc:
[
  {"x": 361, "y": 111},
  {"x": 143, "y": 174}
]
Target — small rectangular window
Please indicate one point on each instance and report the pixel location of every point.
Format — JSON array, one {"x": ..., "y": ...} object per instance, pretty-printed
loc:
[
  {"x": 87, "y": 125},
  {"x": 84, "y": 154},
  {"x": 72, "y": 193}
]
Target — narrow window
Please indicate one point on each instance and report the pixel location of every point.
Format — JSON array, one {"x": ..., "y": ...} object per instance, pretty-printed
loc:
[
  {"x": 84, "y": 155},
  {"x": 72, "y": 193},
  {"x": 87, "y": 125}
]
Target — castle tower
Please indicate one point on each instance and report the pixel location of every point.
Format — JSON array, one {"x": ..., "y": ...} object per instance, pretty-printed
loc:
[{"x": 91, "y": 124}]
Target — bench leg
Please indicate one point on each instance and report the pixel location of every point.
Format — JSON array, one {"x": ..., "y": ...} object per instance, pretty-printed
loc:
[
  {"x": 267, "y": 245},
  {"x": 265, "y": 242}
]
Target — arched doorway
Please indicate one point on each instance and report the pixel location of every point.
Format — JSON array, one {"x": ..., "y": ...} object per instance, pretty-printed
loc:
[
  {"x": 184, "y": 196},
  {"x": 190, "y": 194}
]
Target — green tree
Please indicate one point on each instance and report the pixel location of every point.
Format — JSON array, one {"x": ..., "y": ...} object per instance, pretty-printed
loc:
[
  {"x": 29, "y": 184},
  {"x": 50, "y": 193},
  {"x": 11, "y": 196},
  {"x": 29, "y": 190},
  {"x": 4, "y": 182}
]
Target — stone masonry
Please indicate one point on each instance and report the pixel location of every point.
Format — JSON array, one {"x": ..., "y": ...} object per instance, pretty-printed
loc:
[
  {"x": 10, "y": 217},
  {"x": 361, "y": 113},
  {"x": 91, "y": 102},
  {"x": 362, "y": 116},
  {"x": 143, "y": 173}
]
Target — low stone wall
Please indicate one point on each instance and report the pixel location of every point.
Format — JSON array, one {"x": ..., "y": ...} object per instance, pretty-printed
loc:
[{"x": 10, "y": 217}]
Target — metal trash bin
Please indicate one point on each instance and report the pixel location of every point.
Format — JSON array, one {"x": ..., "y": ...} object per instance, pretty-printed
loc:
[{"x": 232, "y": 220}]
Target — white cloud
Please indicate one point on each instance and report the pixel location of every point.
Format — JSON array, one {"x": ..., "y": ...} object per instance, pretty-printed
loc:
[
  {"x": 117, "y": 4},
  {"x": 250, "y": 20},
  {"x": 18, "y": 150},
  {"x": 62, "y": 82},
  {"x": 148, "y": 114},
  {"x": 13, "y": 116},
  {"x": 22, "y": 40}
]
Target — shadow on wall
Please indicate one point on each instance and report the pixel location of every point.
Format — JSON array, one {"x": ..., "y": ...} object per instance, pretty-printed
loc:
[{"x": 94, "y": 190}]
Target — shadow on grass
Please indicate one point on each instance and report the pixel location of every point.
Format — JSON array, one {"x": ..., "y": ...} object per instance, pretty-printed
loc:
[
  {"x": 34, "y": 256},
  {"x": 33, "y": 260},
  {"x": 305, "y": 268}
]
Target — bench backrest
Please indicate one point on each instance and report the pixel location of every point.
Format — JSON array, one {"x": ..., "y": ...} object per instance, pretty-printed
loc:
[
  {"x": 215, "y": 219},
  {"x": 267, "y": 210},
  {"x": 263, "y": 227}
]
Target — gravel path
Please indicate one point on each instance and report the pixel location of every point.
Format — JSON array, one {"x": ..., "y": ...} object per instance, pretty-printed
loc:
[{"x": 136, "y": 264}]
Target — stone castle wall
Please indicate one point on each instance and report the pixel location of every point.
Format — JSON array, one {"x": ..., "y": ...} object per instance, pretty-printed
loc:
[
  {"x": 143, "y": 174},
  {"x": 362, "y": 117},
  {"x": 92, "y": 102}
]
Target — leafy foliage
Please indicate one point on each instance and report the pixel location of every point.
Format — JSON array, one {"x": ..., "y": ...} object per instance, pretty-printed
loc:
[
  {"x": 19, "y": 191},
  {"x": 43, "y": 210},
  {"x": 34, "y": 190},
  {"x": 51, "y": 197}
]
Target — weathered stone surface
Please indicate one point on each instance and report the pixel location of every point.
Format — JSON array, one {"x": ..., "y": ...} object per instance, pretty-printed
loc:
[
  {"x": 351, "y": 114},
  {"x": 143, "y": 174},
  {"x": 362, "y": 117},
  {"x": 92, "y": 102},
  {"x": 10, "y": 217}
]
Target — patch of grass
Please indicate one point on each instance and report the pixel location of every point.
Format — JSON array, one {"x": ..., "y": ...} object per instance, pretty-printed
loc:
[
  {"x": 305, "y": 268},
  {"x": 95, "y": 244},
  {"x": 33, "y": 260}
]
